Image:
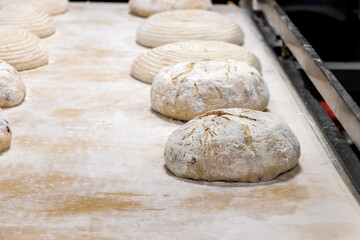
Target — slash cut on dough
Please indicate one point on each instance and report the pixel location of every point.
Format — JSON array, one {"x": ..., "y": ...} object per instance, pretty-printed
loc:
[
  {"x": 148, "y": 64},
  {"x": 28, "y": 17},
  {"x": 186, "y": 90},
  {"x": 22, "y": 49},
  {"x": 232, "y": 145},
  {"x": 146, "y": 8},
  {"x": 12, "y": 88},
  {"x": 5, "y": 133},
  {"x": 183, "y": 25}
]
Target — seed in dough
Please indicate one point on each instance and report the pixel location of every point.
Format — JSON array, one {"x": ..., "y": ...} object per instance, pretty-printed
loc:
[
  {"x": 146, "y": 8},
  {"x": 22, "y": 49},
  {"x": 28, "y": 17},
  {"x": 12, "y": 88},
  {"x": 186, "y": 90},
  {"x": 148, "y": 64},
  {"x": 232, "y": 145},
  {"x": 184, "y": 25}
]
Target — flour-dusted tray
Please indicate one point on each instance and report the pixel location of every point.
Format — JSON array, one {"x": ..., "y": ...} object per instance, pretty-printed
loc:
[{"x": 86, "y": 161}]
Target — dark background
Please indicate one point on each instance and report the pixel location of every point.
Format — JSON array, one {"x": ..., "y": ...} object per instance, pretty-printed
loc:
[
  {"x": 332, "y": 27},
  {"x": 216, "y": 1}
]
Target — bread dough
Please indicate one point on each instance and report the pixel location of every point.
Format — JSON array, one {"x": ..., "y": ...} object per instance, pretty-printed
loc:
[
  {"x": 52, "y": 7},
  {"x": 148, "y": 64},
  {"x": 12, "y": 88},
  {"x": 146, "y": 8},
  {"x": 232, "y": 145},
  {"x": 183, "y": 25},
  {"x": 5, "y": 133},
  {"x": 186, "y": 90},
  {"x": 22, "y": 49},
  {"x": 28, "y": 17}
]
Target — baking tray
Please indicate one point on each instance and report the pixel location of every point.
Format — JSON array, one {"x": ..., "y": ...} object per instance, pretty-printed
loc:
[{"x": 86, "y": 160}]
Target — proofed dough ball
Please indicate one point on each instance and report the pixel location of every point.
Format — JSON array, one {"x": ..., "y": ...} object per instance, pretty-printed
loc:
[
  {"x": 22, "y": 49},
  {"x": 5, "y": 133},
  {"x": 12, "y": 88},
  {"x": 184, "y": 25},
  {"x": 232, "y": 145},
  {"x": 148, "y": 64},
  {"x": 186, "y": 90},
  {"x": 146, "y": 8},
  {"x": 28, "y": 17},
  {"x": 52, "y": 7}
]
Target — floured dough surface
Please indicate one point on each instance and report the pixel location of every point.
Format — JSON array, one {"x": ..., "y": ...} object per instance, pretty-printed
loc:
[
  {"x": 232, "y": 145},
  {"x": 5, "y": 133},
  {"x": 12, "y": 88},
  {"x": 146, "y": 8},
  {"x": 148, "y": 64},
  {"x": 183, "y": 25},
  {"x": 186, "y": 90},
  {"x": 28, "y": 17},
  {"x": 22, "y": 49}
]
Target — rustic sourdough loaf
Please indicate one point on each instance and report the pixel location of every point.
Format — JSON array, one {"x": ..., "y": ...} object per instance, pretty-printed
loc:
[
  {"x": 12, "y": 89},
  {"x": 186, "y": 90},
  {"x": 232, "y": 145},
  {"x": 5, "y": 133}
]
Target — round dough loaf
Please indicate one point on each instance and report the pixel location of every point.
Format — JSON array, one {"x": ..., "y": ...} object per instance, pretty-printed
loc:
[
  {"x": 52, "y": 7},
  {"x": 5, "y": 133},
  {"x": 28, "y": 17},
  {"x": 146, "y": 8},
  {"x": 186, "y": 90},
  {"x": 12, "y": 88},
  {"x": 232, "y": 145},
  {"x": 22, "y": 49},
  {"x": 148, "y": 64},
  {"x": 183, "y": 25}
]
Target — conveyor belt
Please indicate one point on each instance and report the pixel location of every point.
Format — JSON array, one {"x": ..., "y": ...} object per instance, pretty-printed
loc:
[{"x": 86, "y": 158}]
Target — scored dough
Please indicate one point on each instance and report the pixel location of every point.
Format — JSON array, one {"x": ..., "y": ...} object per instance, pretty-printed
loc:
[
  {"x": 28, "y": 17},
  {"x": 148, "y": 64},
  {"x": 232, "y": 145},
  {"x": 186, "y": 90},
  {"x": 22, "y": 49},
  {"x": 146, "y": 8},
  {"x": 183, "y": 25},
  {"x": 5, "y": 133},
  {"x": 12, "y": 88}
]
